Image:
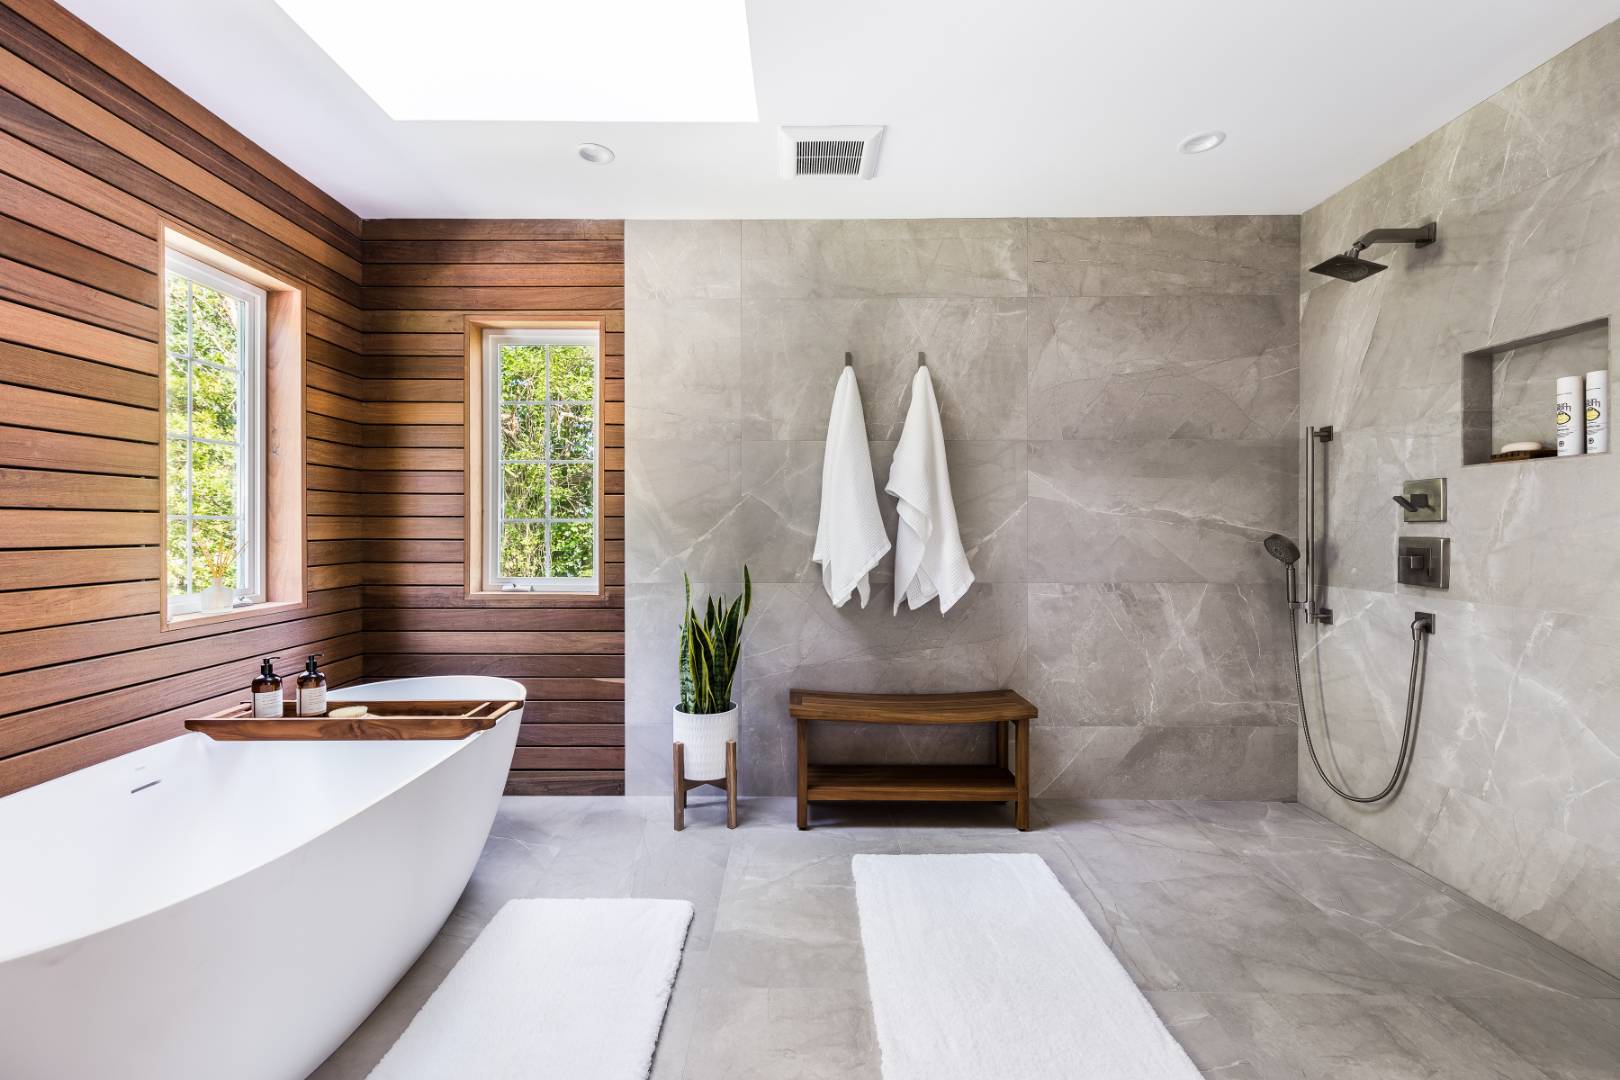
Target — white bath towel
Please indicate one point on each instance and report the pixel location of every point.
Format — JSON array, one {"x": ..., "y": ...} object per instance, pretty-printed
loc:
[
  {"x": 850, "y": 538},
  {"x": 928, "y": 556}
]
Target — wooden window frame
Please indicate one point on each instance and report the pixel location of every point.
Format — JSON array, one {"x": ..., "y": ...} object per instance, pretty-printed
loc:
[
  {"x": 284, "y": 585},
  {"x": 476, "y": 471}
]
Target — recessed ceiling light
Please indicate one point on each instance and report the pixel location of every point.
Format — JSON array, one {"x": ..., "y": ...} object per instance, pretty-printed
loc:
[
  {"x": 1201, "y": 142},
  {"x": 525, "y": 60},
  {"x": 595, "y": 153}
]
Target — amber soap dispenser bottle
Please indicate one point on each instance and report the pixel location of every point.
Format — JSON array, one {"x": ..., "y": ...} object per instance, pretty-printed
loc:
[
  {"x": 311, "y": 689},
  {"x": 267, "y": 690}
]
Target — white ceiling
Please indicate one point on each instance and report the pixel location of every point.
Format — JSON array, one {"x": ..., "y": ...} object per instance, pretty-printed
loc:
[
  {"x": 1016, "y": 108},
  {"x": 671, "y": 61}
]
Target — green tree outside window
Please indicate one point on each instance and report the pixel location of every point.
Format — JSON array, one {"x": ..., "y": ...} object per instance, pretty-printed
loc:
[{"x": 547, "y": 474}]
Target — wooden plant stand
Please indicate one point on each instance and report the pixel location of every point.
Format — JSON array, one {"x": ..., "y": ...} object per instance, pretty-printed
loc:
[
  {"x": 727, "y": 782},
  {"x": 994, "y": 782}
]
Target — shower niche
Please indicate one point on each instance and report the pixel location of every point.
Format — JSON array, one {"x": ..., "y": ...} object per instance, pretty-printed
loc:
[{"x": 1508, "y": 389}]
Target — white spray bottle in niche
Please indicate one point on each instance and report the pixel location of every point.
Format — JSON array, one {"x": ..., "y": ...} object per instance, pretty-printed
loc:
[
  {"x": 1571, "y": 428},
  {"x": 1597, "y": 412}
]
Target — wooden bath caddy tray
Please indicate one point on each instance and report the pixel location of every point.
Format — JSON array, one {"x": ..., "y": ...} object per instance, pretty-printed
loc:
[{"x": 383, "y": 720}]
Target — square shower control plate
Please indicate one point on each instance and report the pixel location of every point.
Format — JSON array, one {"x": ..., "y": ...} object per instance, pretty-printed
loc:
[
  {"x": 1423, "y": 561},
  {"x": 1431, "y": 507}
]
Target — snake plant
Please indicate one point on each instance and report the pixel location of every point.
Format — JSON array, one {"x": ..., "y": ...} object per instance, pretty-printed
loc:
[{"x": 709, "y": 650}]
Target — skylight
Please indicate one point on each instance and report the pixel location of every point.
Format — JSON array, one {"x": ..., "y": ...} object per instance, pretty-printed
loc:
[{"x": 562, "y": 60}]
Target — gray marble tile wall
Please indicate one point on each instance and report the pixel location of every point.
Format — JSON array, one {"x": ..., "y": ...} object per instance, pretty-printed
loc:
[
  {"x": 1514, "y": 794},
  {"x": 1120, "y": 400}
]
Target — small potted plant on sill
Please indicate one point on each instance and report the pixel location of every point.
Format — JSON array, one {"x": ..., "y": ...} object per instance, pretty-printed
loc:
[
  {"x": 706, "y": 718},
  {"x": 217, "y": 563}
]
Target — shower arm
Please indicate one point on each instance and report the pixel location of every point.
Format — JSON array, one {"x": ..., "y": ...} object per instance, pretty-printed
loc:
[{"x": 1421, "y": 236}]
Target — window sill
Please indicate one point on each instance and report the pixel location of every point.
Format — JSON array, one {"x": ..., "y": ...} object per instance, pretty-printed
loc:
[
  {"x": 247, "y": 611},
  {"x": 540, "y": 598}
]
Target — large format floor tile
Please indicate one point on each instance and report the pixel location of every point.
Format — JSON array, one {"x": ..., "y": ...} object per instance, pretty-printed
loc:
[{"x": 1274, "y": 944}]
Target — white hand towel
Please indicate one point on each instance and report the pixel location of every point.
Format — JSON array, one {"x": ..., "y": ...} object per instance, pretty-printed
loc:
[
  {"x": 928, "y": 560},
  {"x": 850, "y": 538}
]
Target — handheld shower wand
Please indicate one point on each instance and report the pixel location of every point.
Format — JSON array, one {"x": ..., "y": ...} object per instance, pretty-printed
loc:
[{"x": 1284, "y": 551}]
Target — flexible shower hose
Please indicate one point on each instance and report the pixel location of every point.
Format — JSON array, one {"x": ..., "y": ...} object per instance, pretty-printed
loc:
[{"x": 1421, "y": 629}]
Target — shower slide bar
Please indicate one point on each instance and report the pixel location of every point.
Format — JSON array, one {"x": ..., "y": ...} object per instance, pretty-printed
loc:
[{"x": 1315, "y": 610}]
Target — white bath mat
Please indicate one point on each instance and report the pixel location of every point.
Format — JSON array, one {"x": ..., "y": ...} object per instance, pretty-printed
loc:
[
  {"x": 551, "y": 990},
  {"x": 981, "y": 967}
]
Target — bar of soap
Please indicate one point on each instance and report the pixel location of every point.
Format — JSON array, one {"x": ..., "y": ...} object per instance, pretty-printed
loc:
[
  {"x": 1519, "y": 447},
  {"x": 347, "y": 712}
]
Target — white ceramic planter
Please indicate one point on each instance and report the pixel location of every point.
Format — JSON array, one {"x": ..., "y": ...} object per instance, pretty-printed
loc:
[{"x": 703, "y": 737}]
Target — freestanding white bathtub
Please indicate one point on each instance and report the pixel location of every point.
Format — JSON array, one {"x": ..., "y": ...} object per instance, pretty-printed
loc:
[{"x": 233, "y": 910}]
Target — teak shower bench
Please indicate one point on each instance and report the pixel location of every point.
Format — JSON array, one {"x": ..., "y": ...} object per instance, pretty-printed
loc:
[{"x": 995, "y": 782}]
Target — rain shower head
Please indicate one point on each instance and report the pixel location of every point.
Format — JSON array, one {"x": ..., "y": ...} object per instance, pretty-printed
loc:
[
  {"x": 1352, "y": 267},
  {"x": 1349, "y": 267},
  {"x": 1282, "y": 549}
]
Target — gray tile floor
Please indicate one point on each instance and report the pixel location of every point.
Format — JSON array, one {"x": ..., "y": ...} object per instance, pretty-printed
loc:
[{"x": 1272, "y": 942}]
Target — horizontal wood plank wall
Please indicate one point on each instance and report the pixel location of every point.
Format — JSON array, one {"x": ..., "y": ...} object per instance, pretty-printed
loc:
[
  {"x": 94, "y": 148},
  {"x": 422, "y": 278}
]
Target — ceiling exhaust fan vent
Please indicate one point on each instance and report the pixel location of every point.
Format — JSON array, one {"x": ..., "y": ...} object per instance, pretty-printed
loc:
[
  {"x": 837, "y": 151},
  {"x": 828, "y": 157}
]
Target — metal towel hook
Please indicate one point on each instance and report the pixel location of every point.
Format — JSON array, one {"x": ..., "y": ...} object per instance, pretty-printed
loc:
[
  {"x": 849, "y": 359},
  {"x": 922, "y": 360}
]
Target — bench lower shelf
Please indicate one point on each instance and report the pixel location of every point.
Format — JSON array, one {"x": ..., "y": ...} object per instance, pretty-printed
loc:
[{"x": 911, "y": 783}]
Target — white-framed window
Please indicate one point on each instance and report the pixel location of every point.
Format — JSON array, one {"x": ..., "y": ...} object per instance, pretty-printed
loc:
[
  {"x": 541, "y": 465},
  {"x": 214, "y": 470}
]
